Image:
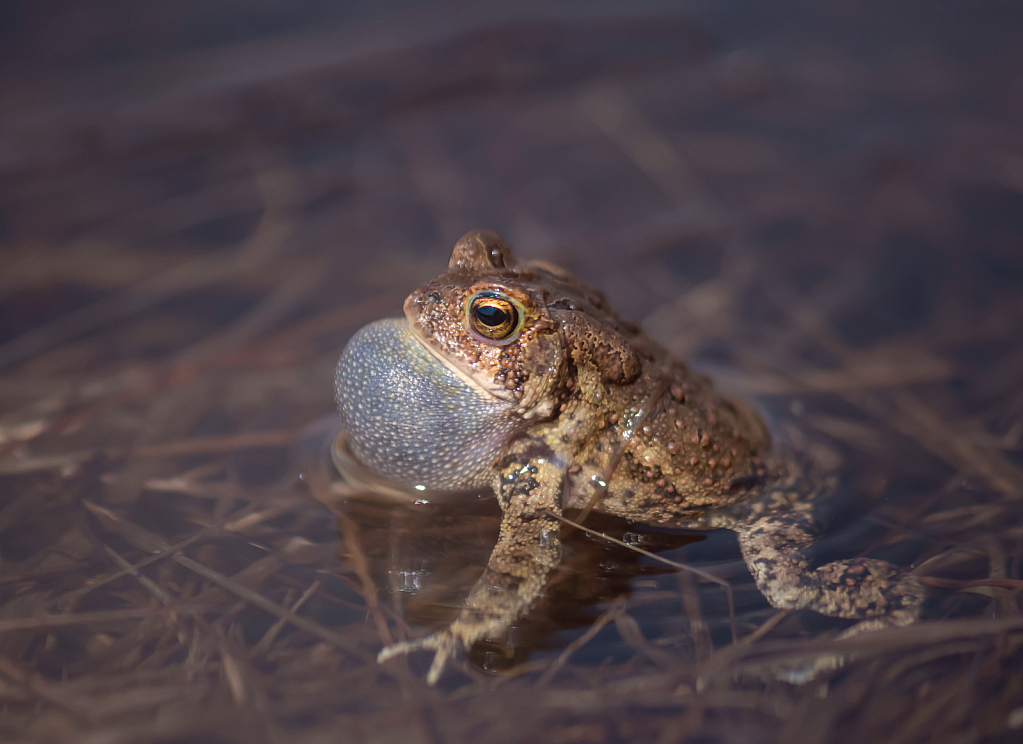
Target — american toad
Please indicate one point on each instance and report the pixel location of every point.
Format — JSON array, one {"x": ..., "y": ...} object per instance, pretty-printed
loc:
[{"x": 522, "y": 378}]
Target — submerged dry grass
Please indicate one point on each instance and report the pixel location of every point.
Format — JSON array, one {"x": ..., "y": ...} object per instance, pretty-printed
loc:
[{"x": 835, "y": 236}]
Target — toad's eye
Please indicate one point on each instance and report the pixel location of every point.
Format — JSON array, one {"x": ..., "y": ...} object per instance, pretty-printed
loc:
[{"x": 493, "y": 317}]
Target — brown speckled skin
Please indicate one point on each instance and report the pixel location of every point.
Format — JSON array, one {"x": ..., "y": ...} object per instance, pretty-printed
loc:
[{"x": 611, "y": 421}]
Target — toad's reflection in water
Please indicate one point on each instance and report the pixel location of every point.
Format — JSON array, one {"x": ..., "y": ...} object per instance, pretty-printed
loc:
[{"x": 424, "y": 551}]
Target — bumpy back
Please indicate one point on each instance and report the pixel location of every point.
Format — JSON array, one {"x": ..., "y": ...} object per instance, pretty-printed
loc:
[{"x": 410, "y": 418}]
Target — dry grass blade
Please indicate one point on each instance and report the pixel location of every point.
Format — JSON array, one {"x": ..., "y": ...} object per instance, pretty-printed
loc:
[
  {"x": 609, "y": 616},
  {"x": 264, "y": 643},
  {"x": 660, "y": 559},
  {"x": 99, "y": 617},
  {"x": 220, "y": 444},
  {"x": 155, "y": 589},
  {"x": 273, "y": 608}
]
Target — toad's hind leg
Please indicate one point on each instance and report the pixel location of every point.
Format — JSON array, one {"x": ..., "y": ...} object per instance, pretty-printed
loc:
[
  {"x": 527, "y": 549},
  {"x": 873, "y": 591}
]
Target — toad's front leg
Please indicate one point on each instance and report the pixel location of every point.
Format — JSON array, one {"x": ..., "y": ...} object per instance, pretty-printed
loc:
[{"x": 529, "y": 491}]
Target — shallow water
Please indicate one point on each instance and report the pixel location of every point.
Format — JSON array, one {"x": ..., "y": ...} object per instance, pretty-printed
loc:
[{"x": 818, "y": 205}]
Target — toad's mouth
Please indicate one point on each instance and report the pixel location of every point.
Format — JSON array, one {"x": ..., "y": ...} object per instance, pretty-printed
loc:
[{"x": 413, "y": 420}]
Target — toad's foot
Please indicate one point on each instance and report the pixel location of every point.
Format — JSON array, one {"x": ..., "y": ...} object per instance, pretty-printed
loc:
[
  {"x": 495, "y": 610},
  {"x": 444, "y": 644}
]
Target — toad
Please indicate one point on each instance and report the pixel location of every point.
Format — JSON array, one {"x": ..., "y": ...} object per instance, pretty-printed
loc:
[{"x": 523, "y": 379}]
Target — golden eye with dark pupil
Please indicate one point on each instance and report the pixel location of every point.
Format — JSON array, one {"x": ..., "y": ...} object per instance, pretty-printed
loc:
[{"x": 493, "y": 317}]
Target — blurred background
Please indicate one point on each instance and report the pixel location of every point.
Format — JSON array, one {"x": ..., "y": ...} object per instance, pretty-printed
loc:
[{"x": 819, "y": 203}]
